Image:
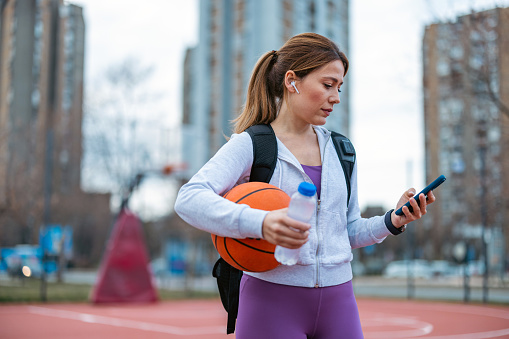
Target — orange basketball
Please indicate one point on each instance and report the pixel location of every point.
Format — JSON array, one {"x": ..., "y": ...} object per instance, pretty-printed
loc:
[{"x": 252, "y": 255}]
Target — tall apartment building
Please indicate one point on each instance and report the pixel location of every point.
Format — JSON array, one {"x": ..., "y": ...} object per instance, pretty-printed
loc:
[
  {"x": 41, "y": 97},
  {"x": 233, "y": 34},
  {"x": 466, "y": 113}
]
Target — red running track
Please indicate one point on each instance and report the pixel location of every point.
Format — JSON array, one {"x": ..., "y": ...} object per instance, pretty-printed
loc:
[{"x": 200, "y": 319}]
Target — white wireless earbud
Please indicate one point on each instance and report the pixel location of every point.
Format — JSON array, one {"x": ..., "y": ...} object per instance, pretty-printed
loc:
[{"x": 293, "y": 84}]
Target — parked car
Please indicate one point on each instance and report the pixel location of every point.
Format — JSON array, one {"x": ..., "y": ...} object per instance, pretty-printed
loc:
[
  {"x": 402, "y": 268},
  {"x": 22, "y": 261},
  {"x": 444, "y": 268},
  {"x": 159, "y": 267},
  {"x": 476, "y": 267}
]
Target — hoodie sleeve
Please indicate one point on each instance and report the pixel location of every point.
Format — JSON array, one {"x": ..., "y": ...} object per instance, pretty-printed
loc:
[
  {"x": 363, "y": 231},
  {"x": 200, "y": 202}
]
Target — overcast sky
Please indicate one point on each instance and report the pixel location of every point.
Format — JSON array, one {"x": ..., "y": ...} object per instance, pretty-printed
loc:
[{"x": 385, "y": 75}]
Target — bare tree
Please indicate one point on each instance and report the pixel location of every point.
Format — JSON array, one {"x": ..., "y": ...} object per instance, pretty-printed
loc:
[
  {"x": 122, "y": 122},
  {"x": 478, "y": 35}
]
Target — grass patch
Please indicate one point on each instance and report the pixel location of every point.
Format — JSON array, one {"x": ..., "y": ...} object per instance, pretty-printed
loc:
[
  {"x": 28, "y": 291},
  {"x": 178, "y": 295}
]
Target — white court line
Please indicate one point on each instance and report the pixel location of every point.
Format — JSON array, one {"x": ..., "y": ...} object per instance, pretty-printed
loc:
[
  {"x": 473, "y": 310},
  {"x": 118, "y": 322},
  {"x": 479, "y": 335},
  {"x": 171, "y": 314},
  {"x": 468, "y": 309},
  {"x": 416, "y": 327}
]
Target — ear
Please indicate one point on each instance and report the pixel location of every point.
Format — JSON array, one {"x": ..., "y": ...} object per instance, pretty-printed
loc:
[{"x": 289, "y": 77}]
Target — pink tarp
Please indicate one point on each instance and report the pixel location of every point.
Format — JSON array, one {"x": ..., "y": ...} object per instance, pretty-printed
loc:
[{"x": 124, "y": 274}]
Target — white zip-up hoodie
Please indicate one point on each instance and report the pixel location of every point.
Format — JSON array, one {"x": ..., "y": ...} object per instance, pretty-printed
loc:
[{"x": 335, "y": 227}]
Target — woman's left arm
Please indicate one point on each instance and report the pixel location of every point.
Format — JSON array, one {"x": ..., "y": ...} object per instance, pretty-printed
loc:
[
  {"x": 368, "y": 231},
  {"x": 363, "y": 232}
]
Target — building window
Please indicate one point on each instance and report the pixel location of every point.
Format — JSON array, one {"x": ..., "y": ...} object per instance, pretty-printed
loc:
[
  {"x": 442, "y": 67},
  {"x": 494, "y": 134},
  {"x": 476, "y": 61},
  {"x": 456, "y": 52},
  {"x": 312, "y": 11}
]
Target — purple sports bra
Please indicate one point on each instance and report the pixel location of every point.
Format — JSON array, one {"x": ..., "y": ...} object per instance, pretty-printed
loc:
[{"x": 315, "y": 173}]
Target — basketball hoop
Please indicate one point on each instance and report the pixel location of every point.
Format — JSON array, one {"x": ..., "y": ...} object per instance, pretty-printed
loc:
[{"x": 173, "y": 168}]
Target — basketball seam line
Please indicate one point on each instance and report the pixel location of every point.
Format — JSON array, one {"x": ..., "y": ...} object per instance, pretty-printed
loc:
[
  {"x": 251, "y": 247},
  {"x": 261, "y": 189},
  {"x": 226, "y": 248}
]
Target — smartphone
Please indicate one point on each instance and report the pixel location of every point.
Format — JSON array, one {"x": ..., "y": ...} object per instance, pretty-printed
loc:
[{"x": 438, "y": 181}]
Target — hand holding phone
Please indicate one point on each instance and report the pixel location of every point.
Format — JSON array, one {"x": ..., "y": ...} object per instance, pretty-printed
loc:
[{"x": 438, "y": 181}]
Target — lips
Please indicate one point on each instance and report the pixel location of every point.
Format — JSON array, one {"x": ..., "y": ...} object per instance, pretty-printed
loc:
[{"x": 327, "y": 111}]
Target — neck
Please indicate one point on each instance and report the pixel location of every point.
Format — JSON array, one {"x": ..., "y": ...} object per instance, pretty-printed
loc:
[{"x": 288, "y": 123}]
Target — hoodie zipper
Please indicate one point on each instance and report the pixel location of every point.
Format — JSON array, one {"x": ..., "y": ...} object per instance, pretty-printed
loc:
[
  {"x": 319, "y": 201},
  {"x": 317, "y": 246},
  {"x": 317, "y": 284}
]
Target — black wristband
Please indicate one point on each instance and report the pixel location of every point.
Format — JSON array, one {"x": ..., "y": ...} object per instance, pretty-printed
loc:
[{"x": 388, "y": 223}]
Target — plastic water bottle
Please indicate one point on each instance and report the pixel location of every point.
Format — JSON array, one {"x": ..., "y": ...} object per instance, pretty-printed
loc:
[{"x": 302, "y": 206}]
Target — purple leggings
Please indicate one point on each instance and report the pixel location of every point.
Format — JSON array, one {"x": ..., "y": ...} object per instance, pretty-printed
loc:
[{"x": 273, "y": 311}]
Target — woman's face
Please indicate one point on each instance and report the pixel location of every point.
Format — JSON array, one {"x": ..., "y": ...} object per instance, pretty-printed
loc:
[{"x": 318, "y": 93}]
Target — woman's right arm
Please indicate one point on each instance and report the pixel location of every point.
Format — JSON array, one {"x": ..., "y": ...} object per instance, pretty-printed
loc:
[{"x": 200, "y": 202}]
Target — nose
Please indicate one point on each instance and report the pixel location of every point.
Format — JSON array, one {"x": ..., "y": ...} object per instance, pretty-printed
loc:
[{"x": 335, "y": 99}]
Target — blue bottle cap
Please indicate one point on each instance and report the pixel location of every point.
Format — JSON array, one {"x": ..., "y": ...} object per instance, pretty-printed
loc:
[{"x": 307, "y": 189}]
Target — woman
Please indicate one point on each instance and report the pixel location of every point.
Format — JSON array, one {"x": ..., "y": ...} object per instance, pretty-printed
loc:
[{"x": 294, "y": 90}]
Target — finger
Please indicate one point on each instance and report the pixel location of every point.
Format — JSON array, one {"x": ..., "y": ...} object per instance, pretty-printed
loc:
[
  {"x": 407, "y": 195},
  {"x": 276, "y": 238},
  {"x": 417, "y": 206},
  {"x": 290, "y": 242},
  {"x": 408, "y": 215},
  {"x": 423, "y": 204},
  {"x": 431, "y": 198},
  {"x": 285, "y": 231},
  {"x": 415, "y": 209},
  {"x": 296, "y": 225}
]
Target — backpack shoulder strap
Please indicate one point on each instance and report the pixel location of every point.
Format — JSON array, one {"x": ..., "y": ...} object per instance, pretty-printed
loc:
[
  {"x": 264, "y": 162},
  {"x": 346, "y": 154},
  {"x": 264, "y": 152}
]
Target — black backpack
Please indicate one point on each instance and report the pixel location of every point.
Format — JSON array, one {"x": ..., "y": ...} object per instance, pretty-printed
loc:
[{"x": 264, "y": 162}]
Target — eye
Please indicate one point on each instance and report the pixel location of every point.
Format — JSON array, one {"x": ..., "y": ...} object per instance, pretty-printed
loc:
[{"x": 330, "y": 86}]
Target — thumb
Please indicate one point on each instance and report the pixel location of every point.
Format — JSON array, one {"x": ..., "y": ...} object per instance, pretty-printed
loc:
[{"x": 411, "y": 192}]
